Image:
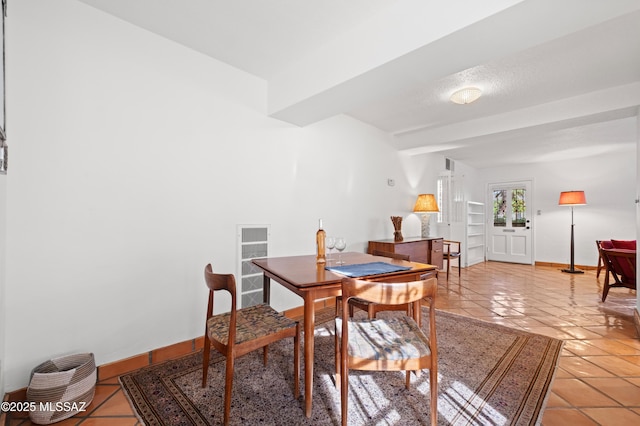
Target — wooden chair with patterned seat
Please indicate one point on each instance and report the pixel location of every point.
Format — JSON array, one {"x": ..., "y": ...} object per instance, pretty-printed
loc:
[
  {"x": 396, "y": 342},
  {"x": 241, "y": 331}
]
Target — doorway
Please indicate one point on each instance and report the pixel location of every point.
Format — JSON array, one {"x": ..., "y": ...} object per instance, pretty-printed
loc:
[{"x": 510, "y": 237}]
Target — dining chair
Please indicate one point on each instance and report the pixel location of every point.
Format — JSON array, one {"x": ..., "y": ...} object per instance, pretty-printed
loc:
[
  {"x": 449, "y": 254},
  {"x": 395, "y": 342},
  {"x": 240, "y": 331},
  {"x": 373, "y": 308}
]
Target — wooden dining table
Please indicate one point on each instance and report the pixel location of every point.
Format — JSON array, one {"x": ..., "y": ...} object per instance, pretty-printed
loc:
[{"x": 313, "y": 282}]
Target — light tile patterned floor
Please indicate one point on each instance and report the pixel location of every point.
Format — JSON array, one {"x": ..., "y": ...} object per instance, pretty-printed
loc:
[{"x": 598, "y": 382}]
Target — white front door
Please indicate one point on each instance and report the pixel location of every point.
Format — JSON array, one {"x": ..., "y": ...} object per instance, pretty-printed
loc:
[{"x": 509, "y": 225}]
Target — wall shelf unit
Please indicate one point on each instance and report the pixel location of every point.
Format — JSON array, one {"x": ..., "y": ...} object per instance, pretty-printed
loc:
[{"x": 475, "y": 245}]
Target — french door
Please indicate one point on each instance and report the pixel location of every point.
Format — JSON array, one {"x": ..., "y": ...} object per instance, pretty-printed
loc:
[{"x": 509, "y": 226}]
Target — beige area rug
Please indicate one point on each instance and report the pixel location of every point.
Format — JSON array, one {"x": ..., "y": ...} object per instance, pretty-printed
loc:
[{"x": 488, "y": 375}]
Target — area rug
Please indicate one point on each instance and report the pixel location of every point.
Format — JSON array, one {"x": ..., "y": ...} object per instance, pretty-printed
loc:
[{"x": 488, "y": 375}]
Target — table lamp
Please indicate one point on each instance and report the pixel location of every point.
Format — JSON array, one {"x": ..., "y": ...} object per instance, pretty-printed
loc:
[
  {"x": 572, "y": 198},
  {"x": 425, "y": 204}
]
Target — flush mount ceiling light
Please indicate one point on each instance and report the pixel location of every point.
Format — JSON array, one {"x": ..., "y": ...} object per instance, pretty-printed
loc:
[{"x": 466, "y": 95}]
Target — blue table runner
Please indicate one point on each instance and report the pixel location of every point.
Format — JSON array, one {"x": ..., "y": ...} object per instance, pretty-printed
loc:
[{"x": 366, "y": 269}]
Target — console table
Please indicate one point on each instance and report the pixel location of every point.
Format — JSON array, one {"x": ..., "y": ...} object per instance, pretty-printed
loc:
[{"x": 422, "y": 250}]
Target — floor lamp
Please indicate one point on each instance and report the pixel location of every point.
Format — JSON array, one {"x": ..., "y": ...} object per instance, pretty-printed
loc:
[{"x": 572, "y": 198}]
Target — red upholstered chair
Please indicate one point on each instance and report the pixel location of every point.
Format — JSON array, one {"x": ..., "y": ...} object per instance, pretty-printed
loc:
[
  {"x": 624, "y": 244},
  {"x": 621, "y": 266},
  {"x": 606, "y": 244}
]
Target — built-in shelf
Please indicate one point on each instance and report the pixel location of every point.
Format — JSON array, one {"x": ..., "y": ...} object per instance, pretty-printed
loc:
[{"x": 474, "y": 246}]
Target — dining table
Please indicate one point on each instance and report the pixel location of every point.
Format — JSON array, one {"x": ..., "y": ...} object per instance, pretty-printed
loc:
[{"x": 313, "y": 282}]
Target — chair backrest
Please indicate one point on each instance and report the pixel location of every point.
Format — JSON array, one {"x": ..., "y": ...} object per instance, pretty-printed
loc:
[
  {"x": 605, "y": 244},
  {"x": 388, "y": 293},
  {"x": 453, "y": 250},
  {"x": 216, "y": 282},
  {"x": 399, "y": 256},
  {"x": 394, "y": 294},
  {"x": 622, "y": 263},
  {"x": 623, "y": 244}
]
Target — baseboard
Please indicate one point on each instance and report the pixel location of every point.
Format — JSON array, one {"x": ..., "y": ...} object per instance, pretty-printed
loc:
[
  {"x": 565, "y": 266},
  {"x": 157, "y": 356},
  {"x": 118, "y": 368}
]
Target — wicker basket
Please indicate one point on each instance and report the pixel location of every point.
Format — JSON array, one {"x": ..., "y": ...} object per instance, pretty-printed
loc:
[{"x": 61, "y": 388}]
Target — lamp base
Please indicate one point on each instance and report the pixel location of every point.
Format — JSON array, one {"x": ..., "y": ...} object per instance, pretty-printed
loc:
[
  {"x": 573, "y": 271},
  {"x": 424, "y": 226}
]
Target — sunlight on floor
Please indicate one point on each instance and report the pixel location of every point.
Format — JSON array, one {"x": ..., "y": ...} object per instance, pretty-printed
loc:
[{"x": 459, "y": 405}]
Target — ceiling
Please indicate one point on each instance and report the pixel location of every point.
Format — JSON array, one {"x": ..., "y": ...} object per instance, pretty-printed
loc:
[{"x": 560, "y": 80}]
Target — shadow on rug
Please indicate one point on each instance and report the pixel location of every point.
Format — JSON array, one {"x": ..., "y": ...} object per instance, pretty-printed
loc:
[{"x": 488, "y": 375}]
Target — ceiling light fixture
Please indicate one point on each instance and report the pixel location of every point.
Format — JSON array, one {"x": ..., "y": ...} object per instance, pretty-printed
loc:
[{"x": 466, "y": 95}]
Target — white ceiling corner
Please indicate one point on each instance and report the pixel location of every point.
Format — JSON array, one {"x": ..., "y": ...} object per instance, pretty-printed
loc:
[{"x": 555, "y": 76}]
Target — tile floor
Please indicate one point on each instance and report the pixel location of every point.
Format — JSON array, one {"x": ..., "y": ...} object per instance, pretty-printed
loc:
[{"x": 598, "y": 381}]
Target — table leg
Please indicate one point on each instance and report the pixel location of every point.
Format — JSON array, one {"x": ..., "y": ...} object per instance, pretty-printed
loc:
[
  {"x": 309, "y": 326},
  {"x": 266, "y": 290}
]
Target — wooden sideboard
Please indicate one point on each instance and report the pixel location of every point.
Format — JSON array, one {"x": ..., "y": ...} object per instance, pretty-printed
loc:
[{"x": 423, "y": 250}]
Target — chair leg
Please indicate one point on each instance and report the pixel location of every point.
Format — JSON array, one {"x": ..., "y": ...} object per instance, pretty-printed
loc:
[
  {"x": 433, "y": 384},
  {"x": 605, "y": 292},
  {"x": 407, "y": 383},
  {"x": 460, "y": 265},
  {"x": 371, "y": 311},
  {"x": 205, "y": 359},
  {"x": 228, "y": 387},
  {"x": 265, "y": 354},
  {"x": 296, "y": 362},
  {"x": 448, "y": 266},
  {"x": 605, "y": 288},
  {"x": 337, "y": 357},
  {"x": 344, "y": 390}
]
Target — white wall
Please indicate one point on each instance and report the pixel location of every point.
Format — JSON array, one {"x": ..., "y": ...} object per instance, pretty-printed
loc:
[
  {"x": 609, "y": 182},
  {"x": 133, "y": 159},
  {"x": 638, "y": 199}
]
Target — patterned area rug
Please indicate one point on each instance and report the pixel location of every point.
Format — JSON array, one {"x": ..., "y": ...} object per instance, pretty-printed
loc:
[{"x": 488, "y": 375}]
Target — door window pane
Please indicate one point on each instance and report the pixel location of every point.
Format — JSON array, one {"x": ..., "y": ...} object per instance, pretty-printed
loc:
[
  {"x": 518, "y": 208},
  {"x": 500, "y": 207}
]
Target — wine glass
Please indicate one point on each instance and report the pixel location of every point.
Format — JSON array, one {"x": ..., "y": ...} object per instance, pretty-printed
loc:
[
  {"x": 341, "y": 244},
  {"x": 330, "y": 242}
]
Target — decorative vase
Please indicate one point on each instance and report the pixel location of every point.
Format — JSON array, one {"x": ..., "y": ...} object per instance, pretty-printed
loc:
[{"x": 397, "y": 226}]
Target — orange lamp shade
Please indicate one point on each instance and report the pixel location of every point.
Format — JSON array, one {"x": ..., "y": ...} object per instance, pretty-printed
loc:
[
  {"x": 426, "y": 203},
  {"x": 572, "y": 198}
]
